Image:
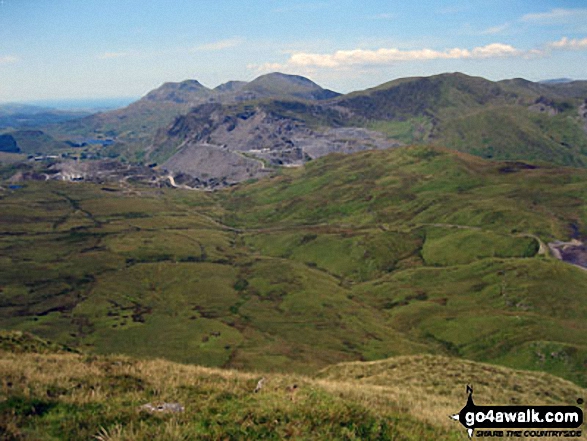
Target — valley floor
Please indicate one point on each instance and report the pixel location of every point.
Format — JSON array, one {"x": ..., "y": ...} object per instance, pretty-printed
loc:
[{"x": 395, "y": 253}]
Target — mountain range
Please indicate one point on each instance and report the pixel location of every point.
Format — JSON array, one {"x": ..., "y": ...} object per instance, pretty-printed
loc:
[
  {"x": 280, "y": 119},
  {"x": 513, "y": 119},
  {"x": 241, "y": 130},
  {"x": 14, "y": 115}
]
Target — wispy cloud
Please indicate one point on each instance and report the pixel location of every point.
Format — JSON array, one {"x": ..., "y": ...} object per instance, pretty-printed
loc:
[
  {"x": 111, "y": 55},
  {"x": 8, "y": 59},
  {"x": 219, "y": 45},
  {"x": 390, "y": 55},
  {"x": 556, "y": 16},
  {"x": 495, "y": 29},
  {"x": 536, "y": 53},
  {"x": 569, "y": 44}
]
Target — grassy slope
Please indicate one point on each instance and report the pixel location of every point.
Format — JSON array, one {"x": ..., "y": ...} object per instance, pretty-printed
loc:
[
  {"x": 443, "y": 217},
  {"x": 415, "y": 186},
  {"x": 514, "y": 133},
  {"x": 477, "y": 116},
  {"x": 354, "y": 257},
  {"x": 51, "y": 394}
]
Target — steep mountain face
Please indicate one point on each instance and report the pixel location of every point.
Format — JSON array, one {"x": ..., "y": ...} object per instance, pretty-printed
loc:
[
  {"x": 265, "y": 131},
  {"x": 139, "y": 121}
]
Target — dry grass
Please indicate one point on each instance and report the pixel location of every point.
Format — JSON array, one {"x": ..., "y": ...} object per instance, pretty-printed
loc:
[
  {"x": 432, "y": 387},
  {"x": 75, "y": 396}
]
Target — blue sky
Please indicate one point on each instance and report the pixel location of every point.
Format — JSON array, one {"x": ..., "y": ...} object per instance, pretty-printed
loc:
[{"x": 54, "y": 49}]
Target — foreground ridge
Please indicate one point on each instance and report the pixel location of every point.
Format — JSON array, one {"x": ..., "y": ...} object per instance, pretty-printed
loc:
[{"x": 46, "y": 395}]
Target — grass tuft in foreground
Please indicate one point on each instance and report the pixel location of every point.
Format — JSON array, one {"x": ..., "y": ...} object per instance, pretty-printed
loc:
[{"x": 61, "y": 395}]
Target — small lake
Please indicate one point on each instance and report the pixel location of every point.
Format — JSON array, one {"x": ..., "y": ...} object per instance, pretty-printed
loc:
[{"x": 102, "y": 142}]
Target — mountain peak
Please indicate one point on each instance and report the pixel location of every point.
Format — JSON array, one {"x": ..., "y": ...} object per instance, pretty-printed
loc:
[
  {"x": 276, "y": 79},
  {"x": 231, "y": 86},
  {"x": 288, "y": 86},
  {"x": 182, "y": 92}
]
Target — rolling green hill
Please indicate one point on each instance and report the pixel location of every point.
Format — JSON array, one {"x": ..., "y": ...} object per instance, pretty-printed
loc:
[
  {"x": 356, "y": 257},
  {"x": 511, "y": 119},
  {"x": 285, "y": 86},
  {"x": 440, "y": 95}
]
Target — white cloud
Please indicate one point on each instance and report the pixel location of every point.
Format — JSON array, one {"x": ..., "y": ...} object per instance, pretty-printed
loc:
[
  {"x": 267, "y": 67},
  {"x": 495, "y": 50},
  {"x": 569, "y": 44},
  {"x": 556, "y": 16},
  {"x": 111, "y": 55},
  {"x": 8, "y": 59},
  {"x": 384, "y": 56},
  {"x": 495, "y": 29},
  {"x": 220, "y": 45}
]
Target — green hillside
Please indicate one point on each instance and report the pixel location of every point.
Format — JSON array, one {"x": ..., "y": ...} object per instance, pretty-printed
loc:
[
  {"x": 506, "y": 120},
  {"x": 445, "y": 95},
  {"x": 511, "y": 133},
  {"x": 46, "y": 395},
  {"x": 360, "y": 257}
]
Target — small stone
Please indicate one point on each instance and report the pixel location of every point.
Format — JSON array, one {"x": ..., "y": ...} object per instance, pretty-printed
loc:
[
  {"x": 163, "y": 407},
  {"x": 260, "y": 384}
]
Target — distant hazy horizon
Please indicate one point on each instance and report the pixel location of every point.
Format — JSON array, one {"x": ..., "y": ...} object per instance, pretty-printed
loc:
[
  {"x": 107, "y": 103},
  {"x": 67, "y": 49},
  {"x": 79, "y": 103}
]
